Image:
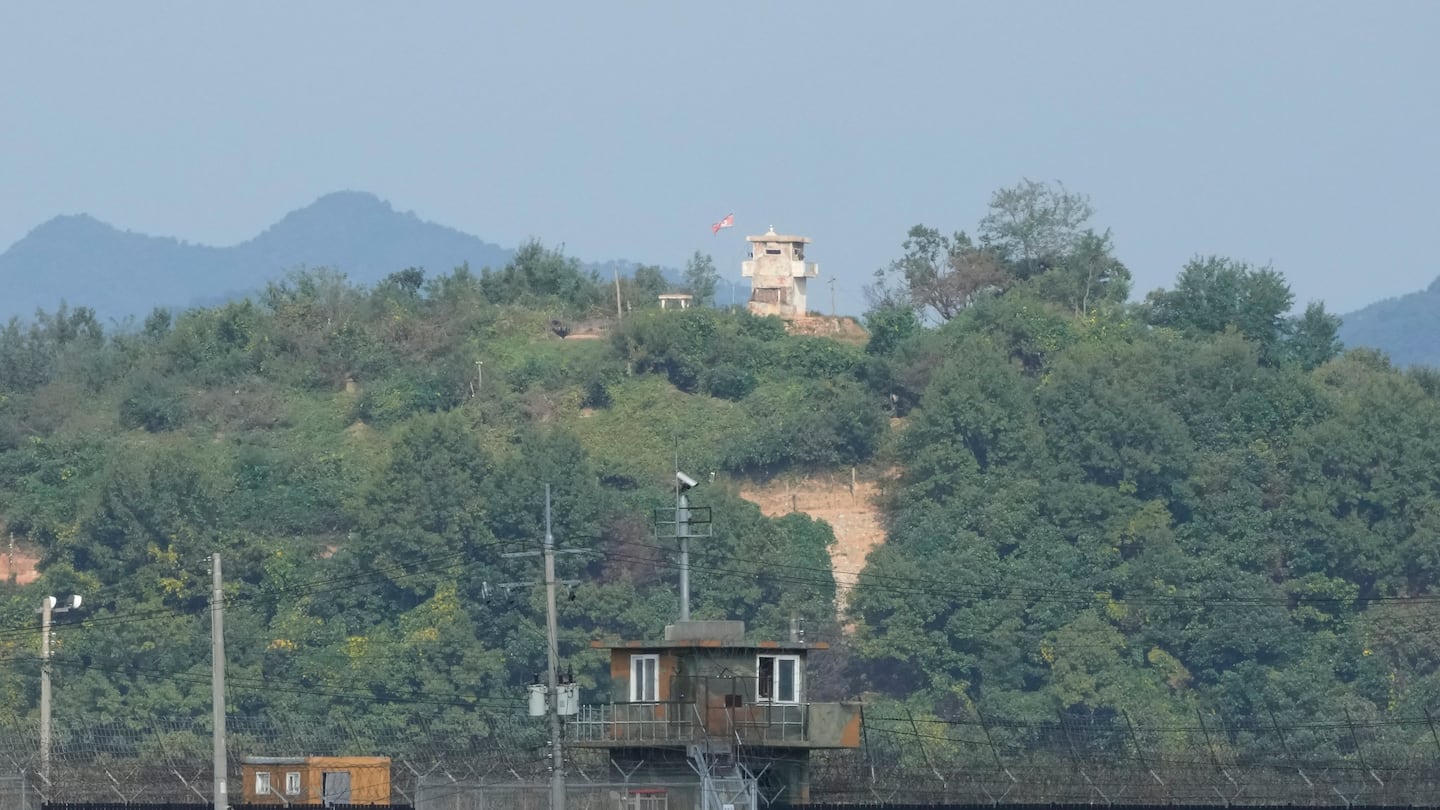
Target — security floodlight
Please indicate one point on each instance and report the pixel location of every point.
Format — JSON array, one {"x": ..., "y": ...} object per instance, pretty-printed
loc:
[
  {"x": 686, "y": 482},
  {"x": 49, "y": 606}
]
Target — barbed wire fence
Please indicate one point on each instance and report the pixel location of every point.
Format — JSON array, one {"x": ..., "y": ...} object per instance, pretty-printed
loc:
[
  {"x": 166, "y": 760},
  {"x": 1110, "y": 759},
  {"x": 1117, "y": 759},
  {"x": 14, "y": 794}
]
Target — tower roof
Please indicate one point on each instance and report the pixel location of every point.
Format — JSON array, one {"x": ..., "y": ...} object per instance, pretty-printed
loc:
[{"x": 771, "y": 236}]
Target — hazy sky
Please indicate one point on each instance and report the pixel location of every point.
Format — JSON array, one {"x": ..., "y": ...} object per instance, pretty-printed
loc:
[{"x": 1304, "y": 134}]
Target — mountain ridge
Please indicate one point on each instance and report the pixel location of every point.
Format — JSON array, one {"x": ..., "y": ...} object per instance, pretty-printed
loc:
[
  {"x": 1406, "y": 327},
  {"x": 84, "y": 261}
]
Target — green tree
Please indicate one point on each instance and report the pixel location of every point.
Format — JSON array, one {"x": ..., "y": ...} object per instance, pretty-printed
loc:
[
  {"x": 649, "y": 283},
  {"x": 937, "y": 274},
  {"x": 701, "y": 278},
  {"x": 1034, "y": 225},
  {"x": 427, "y": 501},
  {"x": 1314, "y": 337},
  {"x": 1215, "y": 293},
  {"x": 538, "y": 274},
  {"x": 1087, "y": 277},
  {"x": 977, "y": 412},
  {"x": 889, "y": 327}
]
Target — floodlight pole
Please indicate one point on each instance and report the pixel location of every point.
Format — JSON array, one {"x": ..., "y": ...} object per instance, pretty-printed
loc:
[
  {"x": 47, "y": 604},
  {"x": 47, "y": 611}
]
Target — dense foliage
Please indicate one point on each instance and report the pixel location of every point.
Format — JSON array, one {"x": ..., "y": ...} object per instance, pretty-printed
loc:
[
  {"x": 362, "y": 458},
  {"x": 1191, "y": 504}
]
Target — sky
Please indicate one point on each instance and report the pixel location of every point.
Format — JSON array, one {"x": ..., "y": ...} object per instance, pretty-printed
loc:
[{"x": 1305, "y": 135}]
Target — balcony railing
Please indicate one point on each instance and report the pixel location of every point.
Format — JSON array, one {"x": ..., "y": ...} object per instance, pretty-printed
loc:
[
  {"x": 681, "y": 723},
  {"x": 633, "y": 722}
]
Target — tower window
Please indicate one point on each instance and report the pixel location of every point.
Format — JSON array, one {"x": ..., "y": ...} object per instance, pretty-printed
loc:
[
  {"x": 778, "y": 678},
  {"x": 644, "y": 678}
]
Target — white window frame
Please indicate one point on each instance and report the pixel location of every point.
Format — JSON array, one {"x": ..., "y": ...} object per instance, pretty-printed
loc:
[
  {"x": 292, "y": 783},
  {"x": 637, "y": 684},
  {"x": 262, "y": 783},
  {"x": 775, "y": 679}
]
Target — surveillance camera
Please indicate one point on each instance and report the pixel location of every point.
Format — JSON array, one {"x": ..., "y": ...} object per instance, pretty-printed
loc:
[
  {"x": 686, "y": 482},
  {"x": 75, "y": 601}
]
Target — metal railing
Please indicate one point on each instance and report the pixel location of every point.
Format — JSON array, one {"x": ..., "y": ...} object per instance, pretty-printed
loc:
[
  {"x": 761, "y": 722},
  {"x": 633, "y": 722},
  {"x": 678, "y": 722}
]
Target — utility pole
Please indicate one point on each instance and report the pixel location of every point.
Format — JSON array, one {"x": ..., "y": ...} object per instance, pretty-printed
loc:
[
  {"x": 217, "y": 680},
  {"x": 832, "y": 296},
  {"x": 479, "y": 376},
  {"x": 552, "y": 633},
  {"x": 552, "y": 651},
  {"x": 47, "y": 604},
  {"x": 619, "y": 314}
]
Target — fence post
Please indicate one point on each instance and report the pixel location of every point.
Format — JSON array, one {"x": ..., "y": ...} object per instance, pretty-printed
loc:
[
  {"x": 999, "y": 763},
  {"x": 1140, "y": 754},
  {"x": 1075, "y": 757}
]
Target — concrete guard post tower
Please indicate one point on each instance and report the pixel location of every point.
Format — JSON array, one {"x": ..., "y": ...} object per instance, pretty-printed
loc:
[{"x": 778, "y": 271}]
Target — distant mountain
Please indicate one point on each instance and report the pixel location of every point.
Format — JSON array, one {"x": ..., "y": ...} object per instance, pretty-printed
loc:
[
  {"x": 88, "y": 263},
  {"x": 1406, "y": 328}
]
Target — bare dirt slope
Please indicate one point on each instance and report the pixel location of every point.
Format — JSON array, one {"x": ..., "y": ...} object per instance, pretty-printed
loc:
[
  {"x": 852, "y": 515},
  {"x": 17, "y": 563},
  {"x": 844, "y": 329}
]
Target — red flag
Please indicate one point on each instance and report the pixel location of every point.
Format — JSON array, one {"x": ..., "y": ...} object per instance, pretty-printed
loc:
[{"x": 727, "y": 222}]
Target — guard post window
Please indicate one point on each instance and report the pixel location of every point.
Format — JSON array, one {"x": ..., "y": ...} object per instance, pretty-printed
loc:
[
  {"x": 292, "y": 783},
  {"x": 644, "y": 678},
  {"x": 778, "y": 678},
  {"x": 262, "y": 783}
]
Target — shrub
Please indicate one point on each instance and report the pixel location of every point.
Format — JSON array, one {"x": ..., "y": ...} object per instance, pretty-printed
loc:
[
  {"x": 729, "y": 381},
  {"x": 154, "y": 403}
]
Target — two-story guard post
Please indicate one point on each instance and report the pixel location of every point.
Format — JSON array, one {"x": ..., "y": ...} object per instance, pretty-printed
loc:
[
  {"x": 707, "y": 703},
  {"x": 778, "y": 273}
]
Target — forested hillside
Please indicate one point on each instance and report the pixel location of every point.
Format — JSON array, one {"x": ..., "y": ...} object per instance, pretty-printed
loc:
[{"x": 1193, "y": 504}]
